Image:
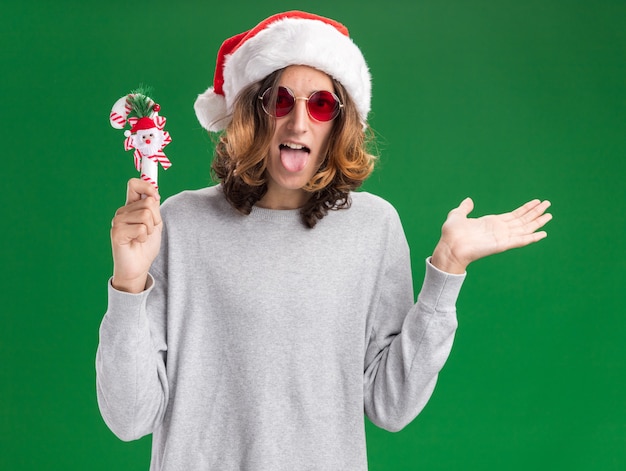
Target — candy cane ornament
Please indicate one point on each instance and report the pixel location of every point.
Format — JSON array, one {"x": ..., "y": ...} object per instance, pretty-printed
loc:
[{"x": 146, "y": 135}]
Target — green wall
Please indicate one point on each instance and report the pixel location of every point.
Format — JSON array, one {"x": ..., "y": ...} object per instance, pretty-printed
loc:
[{"x": 500, "y": 100}]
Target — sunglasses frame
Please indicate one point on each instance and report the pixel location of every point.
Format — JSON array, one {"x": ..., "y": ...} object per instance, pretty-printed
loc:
[{"x": 337, "y": 112}]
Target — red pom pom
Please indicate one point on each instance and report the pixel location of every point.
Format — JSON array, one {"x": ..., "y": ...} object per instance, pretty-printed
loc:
[{"x": 156, "y": 107}]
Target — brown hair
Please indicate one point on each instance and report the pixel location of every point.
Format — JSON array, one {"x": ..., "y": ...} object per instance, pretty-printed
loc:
[{"x": 240, "y": 154}]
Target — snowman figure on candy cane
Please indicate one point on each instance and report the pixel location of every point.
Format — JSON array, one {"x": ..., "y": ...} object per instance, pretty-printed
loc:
[{"x": 146, "y": 135}]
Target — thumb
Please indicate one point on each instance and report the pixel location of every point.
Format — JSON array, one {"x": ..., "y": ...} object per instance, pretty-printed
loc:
[
  {"x": 466, "y": 206},
  {"x": 138, "y": 189}
]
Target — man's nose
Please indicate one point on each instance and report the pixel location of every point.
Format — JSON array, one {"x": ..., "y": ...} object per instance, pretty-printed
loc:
[{"x": 300, "y": 115}]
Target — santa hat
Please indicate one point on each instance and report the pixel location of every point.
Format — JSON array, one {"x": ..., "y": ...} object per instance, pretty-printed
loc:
[
  {"x": 142, "y": 124},
  {"x": 291, "y": 38}
]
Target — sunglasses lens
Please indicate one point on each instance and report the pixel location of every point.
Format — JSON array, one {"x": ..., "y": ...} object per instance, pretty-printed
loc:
[
  {"x": 323, "y": 106},
  {"x": 283, "y": 104}
]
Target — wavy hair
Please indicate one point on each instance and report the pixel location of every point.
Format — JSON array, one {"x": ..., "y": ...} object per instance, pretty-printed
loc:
[{"x": 241, "y": 151}]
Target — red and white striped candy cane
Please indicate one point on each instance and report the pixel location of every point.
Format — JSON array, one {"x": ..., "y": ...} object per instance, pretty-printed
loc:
[
  {"x": 147, "y": 165},
  {"x": 120, "y": 111},
  {"x": 149, "y": 170}
]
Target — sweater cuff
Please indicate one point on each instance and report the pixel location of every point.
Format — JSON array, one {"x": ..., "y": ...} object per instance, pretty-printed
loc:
[
  {"x": 121, "y": 301},
  {"x": 440, "y": 289}
]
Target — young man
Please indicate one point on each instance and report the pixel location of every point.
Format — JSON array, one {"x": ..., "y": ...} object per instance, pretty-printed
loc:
[{"x": 251, "y": 324}]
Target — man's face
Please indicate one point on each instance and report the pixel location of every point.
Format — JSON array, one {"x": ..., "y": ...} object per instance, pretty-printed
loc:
[{"x": 299, "y": 143}]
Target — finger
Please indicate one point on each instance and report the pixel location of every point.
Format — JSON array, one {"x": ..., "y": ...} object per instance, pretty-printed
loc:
[
  {"x": 536, "y": 213},
  {"x": 529, "y": 211},
  {"x": 529, "y": 229},
  {"x": 128, "y": 225},
  {"x": 129, "y": 233},
  {"x": 139, "y": 208},
  {"x": 543, "y": 207},
  {"x": 155, "y": 209},
  {"x": 524, "y": 209},
  {"x": 138, "y": 189},
  {"x": 141, "y": 215},
  {"x": 539, "y": 222},
  {"x": 527, "y": 239}
]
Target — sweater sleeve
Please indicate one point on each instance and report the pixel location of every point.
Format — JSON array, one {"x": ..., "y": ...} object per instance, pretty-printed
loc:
[
  {"x": 406, "y": 351},
  {"x": 131, "y": 379}
]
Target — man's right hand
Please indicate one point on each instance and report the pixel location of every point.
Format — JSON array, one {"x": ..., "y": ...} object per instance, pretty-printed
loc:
[{"x": 136, "y": 236}]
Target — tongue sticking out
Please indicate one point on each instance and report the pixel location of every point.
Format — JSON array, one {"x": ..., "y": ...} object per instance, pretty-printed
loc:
[{"x": 294, "y": 160}]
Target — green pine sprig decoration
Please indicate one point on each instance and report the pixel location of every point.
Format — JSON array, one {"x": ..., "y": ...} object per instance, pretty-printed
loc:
[{"x": 141, "y": 102}]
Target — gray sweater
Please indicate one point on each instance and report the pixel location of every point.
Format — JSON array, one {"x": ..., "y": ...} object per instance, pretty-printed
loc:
[{"x": 260, "y": 344}]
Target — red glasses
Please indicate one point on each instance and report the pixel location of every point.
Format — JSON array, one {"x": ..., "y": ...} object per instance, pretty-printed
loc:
[{"x": 321, "y": 106}]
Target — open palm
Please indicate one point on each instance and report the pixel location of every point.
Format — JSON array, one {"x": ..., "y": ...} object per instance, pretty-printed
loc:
[{"x": 464, "y": 240}]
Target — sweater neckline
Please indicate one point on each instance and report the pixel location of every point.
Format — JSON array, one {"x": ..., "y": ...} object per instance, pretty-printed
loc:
[{"x": 275, "y": 214}]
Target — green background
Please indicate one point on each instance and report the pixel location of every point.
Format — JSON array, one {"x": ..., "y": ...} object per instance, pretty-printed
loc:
[{"x": 503, "y": 101}]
